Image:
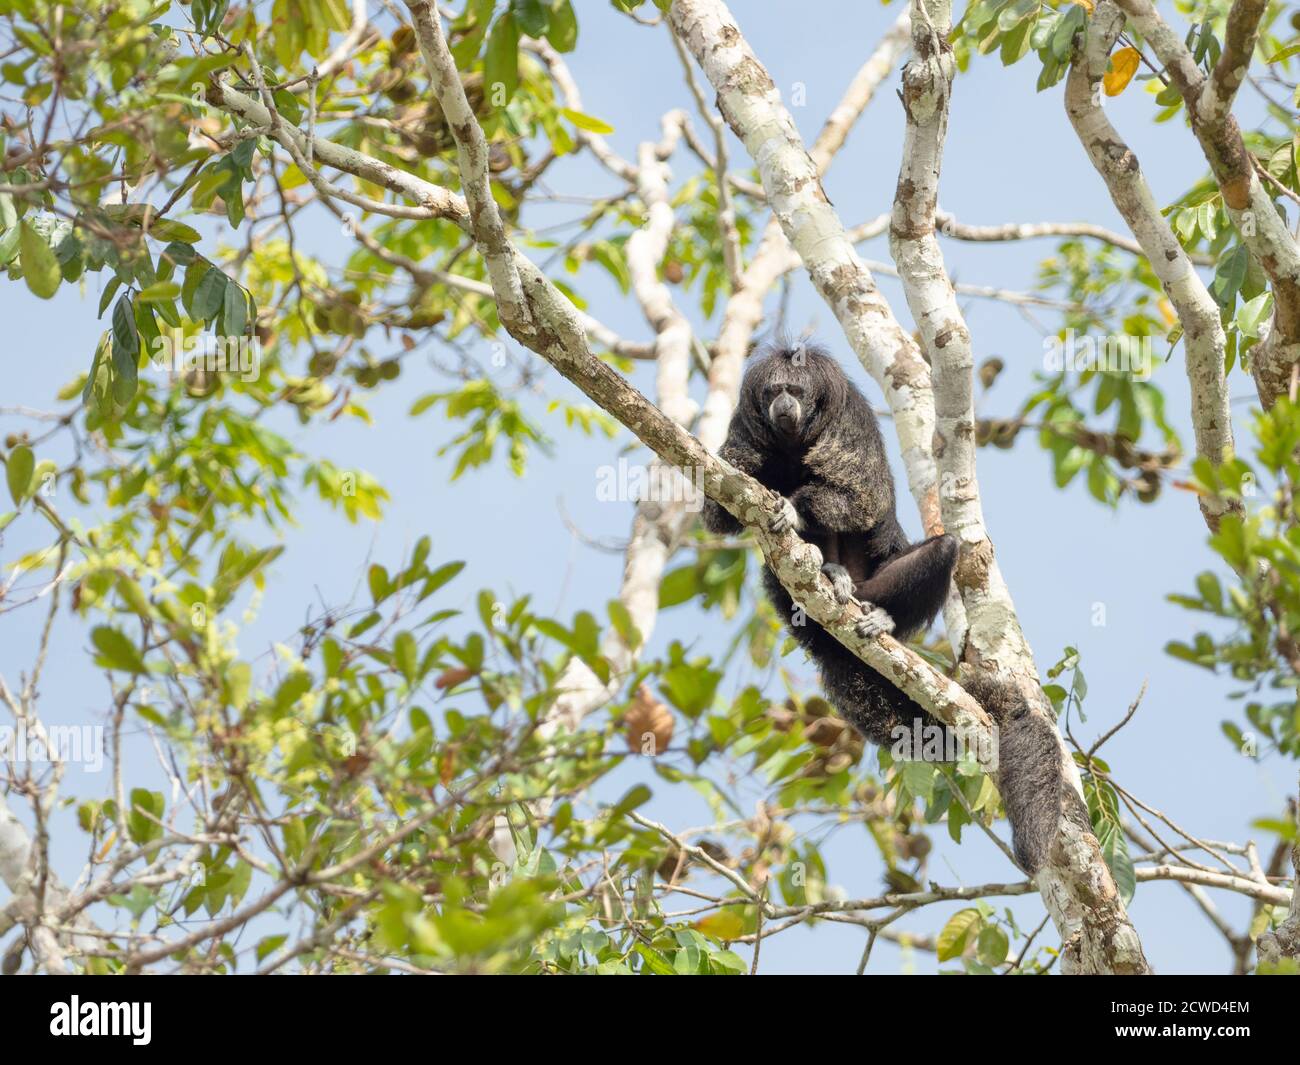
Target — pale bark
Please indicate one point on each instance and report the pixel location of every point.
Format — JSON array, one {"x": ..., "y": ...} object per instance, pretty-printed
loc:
[
  {"x": 1203, "y": 337},
  {"x": 658, "y": 530},
  {"x": 645, "y": 251},
  {"x": 751, "y": 104},
  {"x": 1262, "y": 229},
  {"x": 486, "y": 226},
  {"x": 1076, "y": 884},
  {"x": 658, "y": 524},
  {"x": 1242, "y": 31}
]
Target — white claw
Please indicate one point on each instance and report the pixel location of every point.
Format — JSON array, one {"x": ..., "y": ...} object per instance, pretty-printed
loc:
[
  {"x": 787, "y": 518},
  {"x": 841, "y": 582},
  {"x": 874, "y": 622}
]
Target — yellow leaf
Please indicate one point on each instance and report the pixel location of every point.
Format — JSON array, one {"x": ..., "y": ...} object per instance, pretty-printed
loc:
[
  {"x": 1123, "y": 65},
  {"x": 725, "y": 925},
  {"x": 1087, "y": 5},
  {"x": 588, "y": 122},
  {"x": 108, "y": 846},
  {"x": 1167, "y": 312}
]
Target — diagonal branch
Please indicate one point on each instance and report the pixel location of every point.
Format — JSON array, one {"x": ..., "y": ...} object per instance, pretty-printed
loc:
[{"x": 655, "y": 536}]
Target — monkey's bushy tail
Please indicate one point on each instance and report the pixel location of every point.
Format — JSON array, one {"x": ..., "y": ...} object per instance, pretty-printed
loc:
[{"x": 1034, "y": 790}]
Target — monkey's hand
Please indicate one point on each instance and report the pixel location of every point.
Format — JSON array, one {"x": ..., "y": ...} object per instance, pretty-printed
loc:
[
  {"x": 874, "y": 622},
  {"x": 841, "y": 582},
  {"x": 787, "y": 518}
]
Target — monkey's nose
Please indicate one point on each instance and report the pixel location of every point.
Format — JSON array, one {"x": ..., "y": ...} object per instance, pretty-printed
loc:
[{"x": 785, "y": 412}]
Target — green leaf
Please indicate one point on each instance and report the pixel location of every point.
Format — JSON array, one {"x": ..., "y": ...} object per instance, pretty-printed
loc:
[
  {"x": 439, "y": 577},
  {"x": 126, "y": 352},
  {"x": 501, "y": 61},
  {"x": 636, "y": 796},
  {"x": 992, "y": 946},
  {"x": 1015, "y": 44},
  {"x": 146, "y": 812},
  {"x": 194, "y": 274},
  {"x": 209, "y": 296},
  {"x": 1114, "y": 848},
  {"x": 532, "y": 16},
  {"x": 18, "y": 473},
  {"x": 1229, "y": 275},
  {"x": 378, "y": 581},
  {"x": 159, "y": 292},
  {"x": 126, "y": 340},
  {"x": 1063, "y": 39},
  {"x": 1253, "y": 314},
  {"x": 110, "y": 290},
  {"x": 953, "y": 938},
  {"x": 406, "y": 656},
  {"x": 115, "y": 650},
  {"x": 623, "y": 624},
  {"x": 655, "y": 962},
  {"x": 563, "y": 30},
  {"x": 268, "y": 945},
  {"x": 678, "y": 587},
  {"x": 234, "y": 315},
  {"x": 1285, "y": 53},
  {"x": 40, "y": 266}
]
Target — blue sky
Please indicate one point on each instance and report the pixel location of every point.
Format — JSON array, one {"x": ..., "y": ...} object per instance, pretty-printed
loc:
[{"x": 1012, "y": 156}]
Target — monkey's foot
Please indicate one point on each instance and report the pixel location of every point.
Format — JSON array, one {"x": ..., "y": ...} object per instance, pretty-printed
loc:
[
  {"x": 874, "y": 622},
  {"x": 787, "y": 518},
  {"x": 841, "y": 582}
]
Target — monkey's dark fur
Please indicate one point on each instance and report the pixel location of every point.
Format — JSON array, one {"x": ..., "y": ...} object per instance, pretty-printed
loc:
[{"x": 802, "y": 429}]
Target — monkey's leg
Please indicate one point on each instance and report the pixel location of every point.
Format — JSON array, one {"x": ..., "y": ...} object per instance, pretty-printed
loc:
[
  {"x": 911, "y": 587},
  {"x": 870, "y": 703}
]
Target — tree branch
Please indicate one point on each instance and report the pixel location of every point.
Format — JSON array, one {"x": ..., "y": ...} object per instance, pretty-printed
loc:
[
  {"x": 1262, "y": 229},
  {"x": 472, "y": 156},
  {"x": 1203, "y": 337},
  {"x": 752, "y": 107}
]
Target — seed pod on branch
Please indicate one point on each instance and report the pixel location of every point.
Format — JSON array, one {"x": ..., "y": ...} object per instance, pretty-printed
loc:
[{"x": 648, "y": 724}]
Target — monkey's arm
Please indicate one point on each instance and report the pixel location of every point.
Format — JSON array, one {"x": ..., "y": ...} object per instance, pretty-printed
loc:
[
  {"x": 850, "y": 488},
  {"x": 837, "y": 507},
  {"x": 741, "y": 453}
]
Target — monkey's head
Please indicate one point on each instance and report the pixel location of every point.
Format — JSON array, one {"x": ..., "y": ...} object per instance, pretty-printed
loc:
[{"x": 795, "y": 391}]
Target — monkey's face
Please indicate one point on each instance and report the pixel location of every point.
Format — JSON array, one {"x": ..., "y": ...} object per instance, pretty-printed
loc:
[{"x": 786, "y": 412}]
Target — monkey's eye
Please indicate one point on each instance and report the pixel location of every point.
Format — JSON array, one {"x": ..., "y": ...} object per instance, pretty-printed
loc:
[{"x": 796, "y": 391}]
